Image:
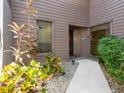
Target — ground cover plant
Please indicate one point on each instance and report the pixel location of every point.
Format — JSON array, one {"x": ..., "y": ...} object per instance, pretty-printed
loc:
[
  {"x": 32, "y": 78},
  {"x": 111, "y": 52},
  {"x": 20, "y": 77}
]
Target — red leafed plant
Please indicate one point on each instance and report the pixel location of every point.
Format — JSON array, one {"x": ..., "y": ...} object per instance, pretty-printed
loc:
[
  {"x": 20, "y": 78},
  {"x": 25, "y": 39}
]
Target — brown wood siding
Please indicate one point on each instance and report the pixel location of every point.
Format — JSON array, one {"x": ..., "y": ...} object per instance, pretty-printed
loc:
[
  {"x": 102, "y": 11},
  {"x": 6, "y": 34},
  {"x": 61, "y": 13}
]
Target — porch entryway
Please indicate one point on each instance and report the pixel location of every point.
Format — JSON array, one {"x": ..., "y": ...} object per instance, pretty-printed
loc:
[{"x": 98, "y": 32}]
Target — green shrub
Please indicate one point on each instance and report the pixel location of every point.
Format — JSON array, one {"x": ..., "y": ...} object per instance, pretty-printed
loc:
[
  {"x": 22, "y": 79},
  {"x": 53, "y": 65},
  {"x": 111, "y": 52},
  {"x": 16, "y": 78}
]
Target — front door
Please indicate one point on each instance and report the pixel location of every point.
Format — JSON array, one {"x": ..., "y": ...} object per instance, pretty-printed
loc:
[
  {"x": 74, "y": 43},
  {"x": 96, "y": 35}
]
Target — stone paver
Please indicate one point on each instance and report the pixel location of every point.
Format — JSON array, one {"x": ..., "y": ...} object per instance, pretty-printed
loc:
[{"x": 88, "y": 78}]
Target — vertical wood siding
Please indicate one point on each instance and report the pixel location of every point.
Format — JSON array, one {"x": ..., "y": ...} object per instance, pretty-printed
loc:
[
  {"x": 61, "y": 13},
  {"x": 102, "y": 11}
]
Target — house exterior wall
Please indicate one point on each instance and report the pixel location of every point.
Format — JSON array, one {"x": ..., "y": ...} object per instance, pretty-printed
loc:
[
  {"x": 7, "y": 34},
  {"x": 1, "y": 30},
  {"x": 62, "y": 13},
  {"x": 103, "y": 11}
]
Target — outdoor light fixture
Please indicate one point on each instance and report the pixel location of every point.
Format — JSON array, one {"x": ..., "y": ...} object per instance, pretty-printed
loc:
[{"x": 73, "y": 62}]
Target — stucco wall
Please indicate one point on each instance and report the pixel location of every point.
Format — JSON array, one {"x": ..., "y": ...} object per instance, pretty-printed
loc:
[
  {"x": 102, "y": 11},
  {"x": 61, "y": 13}
]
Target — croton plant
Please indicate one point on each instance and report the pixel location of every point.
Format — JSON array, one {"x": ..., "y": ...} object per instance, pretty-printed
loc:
[{"x": 19, "y": 77}]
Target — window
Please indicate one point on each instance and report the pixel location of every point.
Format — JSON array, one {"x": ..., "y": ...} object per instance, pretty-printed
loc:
[{"x": 44, "y": 36}]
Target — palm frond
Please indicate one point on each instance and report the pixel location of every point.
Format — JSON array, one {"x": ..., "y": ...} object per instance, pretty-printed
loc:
[
  {"x": 13, "y": 27},
  {"x": 16, "y": 50},
  {"x": 28, "y": 3},
  {"x": 8, "y": 51},
  {"x": 16, "y": 25},
  {"x": 14, "y": 31}
]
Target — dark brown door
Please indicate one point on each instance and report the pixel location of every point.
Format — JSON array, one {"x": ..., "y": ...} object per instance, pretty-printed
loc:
[
  {"x": 96, "y": 35},
  {"x": 71, "y": 42}
]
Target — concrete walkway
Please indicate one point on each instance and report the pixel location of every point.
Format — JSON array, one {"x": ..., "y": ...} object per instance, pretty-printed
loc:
[{"x": 88, "y": 78}]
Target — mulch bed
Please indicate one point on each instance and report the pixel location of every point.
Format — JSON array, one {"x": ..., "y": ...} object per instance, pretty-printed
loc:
[{"x": 115, "y": 87}]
